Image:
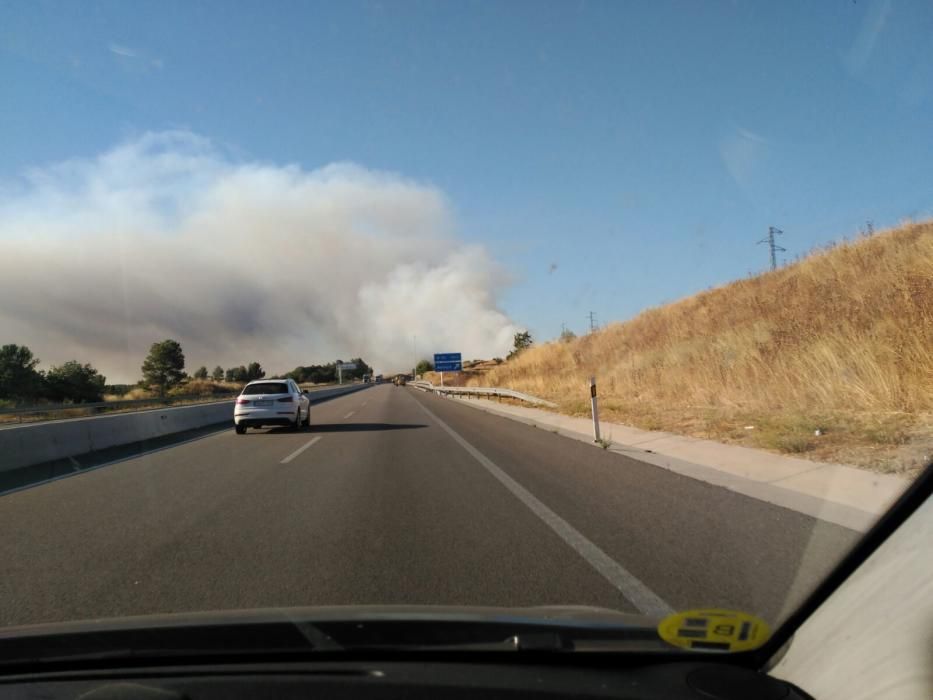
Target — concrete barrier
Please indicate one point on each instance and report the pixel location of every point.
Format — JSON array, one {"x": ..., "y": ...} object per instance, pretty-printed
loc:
[{"x": 36, "y": 443}]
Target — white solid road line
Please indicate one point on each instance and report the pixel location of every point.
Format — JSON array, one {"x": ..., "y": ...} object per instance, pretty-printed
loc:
[
  {"x": 349, "y": 414},
  {"x": 636, "y": 592},
  {"x": 300, "y": 449}
]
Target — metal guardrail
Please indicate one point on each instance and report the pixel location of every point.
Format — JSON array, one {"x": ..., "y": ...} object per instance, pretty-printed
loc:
[
  {"x": 102, "y": 406},
  {"x": 481, "y": 391}
]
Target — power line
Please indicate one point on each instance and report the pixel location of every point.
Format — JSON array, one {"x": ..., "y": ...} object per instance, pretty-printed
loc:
[{"x": 772, "y": 232}]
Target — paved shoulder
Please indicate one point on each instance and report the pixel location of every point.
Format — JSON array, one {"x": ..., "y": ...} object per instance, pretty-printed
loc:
[{"x": 688, "y": 541}]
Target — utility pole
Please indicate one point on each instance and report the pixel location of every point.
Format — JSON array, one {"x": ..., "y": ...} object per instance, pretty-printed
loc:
[
  {"x": 592, "y": 321},
  {"x": 772, "y": 232}
]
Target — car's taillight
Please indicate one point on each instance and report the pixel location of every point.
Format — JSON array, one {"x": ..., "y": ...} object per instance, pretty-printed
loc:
[
  {"x": 242, "y": 402},
  {"x": 287, "y": 399}
]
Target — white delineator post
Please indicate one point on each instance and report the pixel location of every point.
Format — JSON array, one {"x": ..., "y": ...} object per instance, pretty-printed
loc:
[{"x": 595, "y": 408}]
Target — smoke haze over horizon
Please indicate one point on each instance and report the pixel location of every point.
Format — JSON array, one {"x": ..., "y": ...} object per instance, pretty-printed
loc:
[{"x": 166, "y": 236}]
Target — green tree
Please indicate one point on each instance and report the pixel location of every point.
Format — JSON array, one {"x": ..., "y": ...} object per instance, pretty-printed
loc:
[
  {"x": 236, "y": 374},
  {"x": 567, "y": 335},
  {"x": 299, "y": 374},
  {"x": 424, "y": 366},
  {"x": 218, "y": 373},
  {"x": 18, "y": 376},
  {"x": 322, "y": 374},
  {"x": 254, "y": 371},
  {"x": 361, "y": 369},
  {"x": 164, "y": 367},
  {"x": 75, "y": 382},
  {"x": 522, "y": 341},
  {"x": 200, "y": 372}
]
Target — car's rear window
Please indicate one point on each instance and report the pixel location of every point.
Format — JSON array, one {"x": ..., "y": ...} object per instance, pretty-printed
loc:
[{"x": 266, "y": 388}]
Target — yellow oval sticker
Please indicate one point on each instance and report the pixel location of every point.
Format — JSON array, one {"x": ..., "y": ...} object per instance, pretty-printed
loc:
[{"x": 714, "y": 629}]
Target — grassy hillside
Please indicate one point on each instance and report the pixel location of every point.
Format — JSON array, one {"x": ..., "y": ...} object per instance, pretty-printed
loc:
[{"x": 841, "y": 341}]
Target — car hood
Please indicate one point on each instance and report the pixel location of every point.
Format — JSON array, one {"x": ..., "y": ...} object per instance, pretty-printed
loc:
[{"x": 288, "y": 632}]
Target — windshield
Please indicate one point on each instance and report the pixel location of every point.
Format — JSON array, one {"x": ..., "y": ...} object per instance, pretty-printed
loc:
[{"x": 599, "y": 307}]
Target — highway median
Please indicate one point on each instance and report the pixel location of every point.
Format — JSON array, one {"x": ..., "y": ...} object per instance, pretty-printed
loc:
[{"x": 37, "y": 451}]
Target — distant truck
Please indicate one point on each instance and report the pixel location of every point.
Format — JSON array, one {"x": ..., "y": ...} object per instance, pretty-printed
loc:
[{"x": 366, "y": 379}]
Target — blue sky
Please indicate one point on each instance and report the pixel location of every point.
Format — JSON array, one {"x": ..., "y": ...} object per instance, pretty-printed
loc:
[{"x": 612, "y": 155}]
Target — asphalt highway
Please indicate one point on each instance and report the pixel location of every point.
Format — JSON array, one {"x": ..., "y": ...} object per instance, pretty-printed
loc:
[{"x": 393, "y": 496}]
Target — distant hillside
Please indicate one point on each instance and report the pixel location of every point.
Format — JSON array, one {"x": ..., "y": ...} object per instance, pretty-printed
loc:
[{"x": 841, "y": 341}]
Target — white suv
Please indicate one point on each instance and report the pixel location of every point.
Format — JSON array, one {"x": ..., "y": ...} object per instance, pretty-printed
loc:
[{"x": 271, "y": 402}]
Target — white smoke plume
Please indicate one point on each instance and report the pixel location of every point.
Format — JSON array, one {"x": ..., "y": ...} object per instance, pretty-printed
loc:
[{"x": 167, "y": 237}]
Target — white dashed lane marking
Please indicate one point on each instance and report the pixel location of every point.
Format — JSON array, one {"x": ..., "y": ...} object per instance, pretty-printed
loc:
[{"x": 300, "y": 449}]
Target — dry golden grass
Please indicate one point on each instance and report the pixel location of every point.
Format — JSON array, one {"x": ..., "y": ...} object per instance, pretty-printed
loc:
[
  {"x": 844, "y": 336},
  {"x": 205, "y": 387},
  {"x": 133, "y": 394},
  {"x": 192, "y": 387}
]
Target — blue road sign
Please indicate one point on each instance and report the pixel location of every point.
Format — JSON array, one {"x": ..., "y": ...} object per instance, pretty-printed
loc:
[{"x": 447, "y": 362}]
